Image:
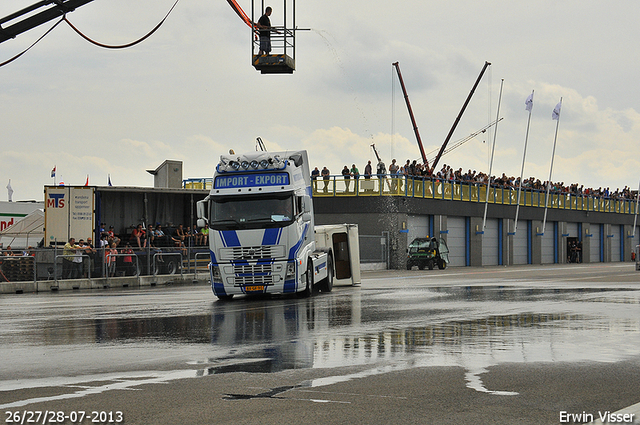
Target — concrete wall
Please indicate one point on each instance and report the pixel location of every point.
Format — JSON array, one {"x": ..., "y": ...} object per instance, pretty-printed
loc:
[{"x": 375, "y": 214}]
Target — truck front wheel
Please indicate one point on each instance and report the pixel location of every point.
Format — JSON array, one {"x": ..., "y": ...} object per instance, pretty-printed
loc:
[
  {"x": 326, "y": 285},
  {"x": 308, "y": 290}
]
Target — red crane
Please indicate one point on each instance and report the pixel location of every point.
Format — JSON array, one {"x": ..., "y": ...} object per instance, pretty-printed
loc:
[
  {"x": 413, "y": 120},
  {"x": 46, "y": 10},
  {"x": 455, "y": 124}
]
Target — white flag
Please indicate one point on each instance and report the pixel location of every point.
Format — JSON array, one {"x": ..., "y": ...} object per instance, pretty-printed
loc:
[
  {"x": 556, "y": 111},
  {"x": 10, "y": 190},
  {"x": 529, "y": 103}
]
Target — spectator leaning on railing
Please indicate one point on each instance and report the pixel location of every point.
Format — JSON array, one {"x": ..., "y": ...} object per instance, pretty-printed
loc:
[
  {"x": 447, "y": 173},
  {"x": 325, "y": 178}
]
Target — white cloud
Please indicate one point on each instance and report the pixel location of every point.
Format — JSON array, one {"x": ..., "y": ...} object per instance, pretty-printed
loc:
[{"x": 190, "y": 93}]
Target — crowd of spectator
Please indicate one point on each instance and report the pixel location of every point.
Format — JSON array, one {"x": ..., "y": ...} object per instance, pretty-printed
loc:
[
  {"x": 416, "y": 169},
  {"x": 10, "y": 252},
  {"x": 78, "y": 259},
  {"x": 156, "y": 237},
  {"x": 114, "y": 253},
  {"x": 82, "y": 259}
]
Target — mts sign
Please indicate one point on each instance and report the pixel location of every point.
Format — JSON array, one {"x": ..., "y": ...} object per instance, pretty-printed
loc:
[{"x": 56, "y": 200}]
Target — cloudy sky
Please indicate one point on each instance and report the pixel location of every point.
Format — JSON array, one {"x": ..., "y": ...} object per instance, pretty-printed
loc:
[{"x": 189, "y": 92}]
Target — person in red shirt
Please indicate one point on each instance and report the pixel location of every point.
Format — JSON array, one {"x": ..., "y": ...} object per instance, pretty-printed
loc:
[{"x": 139, "y": 237}]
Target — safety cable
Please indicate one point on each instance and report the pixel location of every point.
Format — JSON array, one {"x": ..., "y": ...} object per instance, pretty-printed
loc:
[
  {"x": 34, "y": 43},
  {"x": 106, "y": 46},
  {"x": 123, "y": 46}
]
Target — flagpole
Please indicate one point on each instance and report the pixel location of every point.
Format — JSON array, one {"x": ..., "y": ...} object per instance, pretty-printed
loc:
[
  {"x": 493, "y": 149},
  {"x": 553, "y": 153},
  {"x": 524, "y": 154}
]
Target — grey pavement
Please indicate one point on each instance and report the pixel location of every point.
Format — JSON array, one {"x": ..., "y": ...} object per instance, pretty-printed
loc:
[{"x": 494, "y": 345}]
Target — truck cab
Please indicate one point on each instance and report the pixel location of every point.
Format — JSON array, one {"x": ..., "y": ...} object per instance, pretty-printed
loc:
[{"x": 261, "y": 228}]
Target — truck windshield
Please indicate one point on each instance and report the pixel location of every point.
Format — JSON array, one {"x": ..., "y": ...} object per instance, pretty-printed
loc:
[{"x": 251, "y": 212}]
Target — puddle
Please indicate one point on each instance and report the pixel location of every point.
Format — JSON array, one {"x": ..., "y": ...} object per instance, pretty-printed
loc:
[
  {"x": 474, "y": 381},
  {"x": 473, "y": 328}
]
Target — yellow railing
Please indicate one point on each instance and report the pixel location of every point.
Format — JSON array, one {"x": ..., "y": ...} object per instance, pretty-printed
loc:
[
  {"x": 338, "y": 186},
  {"x": 197, "y": 184}
]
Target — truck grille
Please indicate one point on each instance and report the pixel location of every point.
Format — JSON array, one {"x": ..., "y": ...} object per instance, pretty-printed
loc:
[
  {"x": 254, "y": 274},
  {"x": 253, "y": 280},
  {"x": 253, "y": 269},
  {"x": 252, "y": 252}
]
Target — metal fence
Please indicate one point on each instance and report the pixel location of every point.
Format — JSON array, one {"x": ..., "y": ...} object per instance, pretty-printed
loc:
[
  {"x": 418, "y": 187},
  {"x": 374, "y": 248},
  {"x": 39, "y": 264}
]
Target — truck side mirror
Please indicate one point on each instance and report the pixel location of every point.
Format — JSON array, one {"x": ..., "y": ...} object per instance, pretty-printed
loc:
[
  {"x": 307, "y": 203},
  {"x": 201, "y": 211}
]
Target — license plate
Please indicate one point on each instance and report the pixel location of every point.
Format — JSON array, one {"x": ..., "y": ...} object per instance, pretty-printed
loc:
[{"x": 254, "y": 288}]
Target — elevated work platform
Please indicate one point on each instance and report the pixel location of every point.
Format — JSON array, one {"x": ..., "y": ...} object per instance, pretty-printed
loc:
[
  {"x": 275, "y": 36},
  {"x": 274, "y": 64}
]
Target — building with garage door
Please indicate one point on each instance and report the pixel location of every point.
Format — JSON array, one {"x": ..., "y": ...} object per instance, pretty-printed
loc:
[{"x": 401, "y": 209}]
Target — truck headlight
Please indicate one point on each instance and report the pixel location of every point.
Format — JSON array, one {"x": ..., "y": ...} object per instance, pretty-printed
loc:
[
  {"x": 215, "y": 274},
  {"x": 291, "y": 270}
]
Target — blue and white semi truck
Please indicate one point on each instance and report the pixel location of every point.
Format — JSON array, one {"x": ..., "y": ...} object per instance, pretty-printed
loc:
[{"x": 261, "y": 227}]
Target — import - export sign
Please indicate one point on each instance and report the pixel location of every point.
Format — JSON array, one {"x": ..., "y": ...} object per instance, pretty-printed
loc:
[{"x": 251, "y": 180}]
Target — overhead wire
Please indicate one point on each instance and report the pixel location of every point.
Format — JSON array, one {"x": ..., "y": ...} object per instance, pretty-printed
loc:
[
  {"x": 8, "y": 61},
  {"x": 106, "y": 46},
  {"x": 122, "y": 46}
]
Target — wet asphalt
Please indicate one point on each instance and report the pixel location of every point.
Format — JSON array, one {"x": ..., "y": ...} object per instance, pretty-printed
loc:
[{"x": 493, "y": 345}]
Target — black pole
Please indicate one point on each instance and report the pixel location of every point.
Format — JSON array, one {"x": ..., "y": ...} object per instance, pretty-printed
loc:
[
  {"x": 413, "y": 120},
  {"x": 455, "y": 124}
]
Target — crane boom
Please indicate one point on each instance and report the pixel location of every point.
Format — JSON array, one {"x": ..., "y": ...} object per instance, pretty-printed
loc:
[
  {"x": 376, "y": 152},
  {"x": 241, "y": 13},
  {"x": 413, "y": 120},
  {"x": 59, "y": 8},
  {"x": 455, "y": 123}
]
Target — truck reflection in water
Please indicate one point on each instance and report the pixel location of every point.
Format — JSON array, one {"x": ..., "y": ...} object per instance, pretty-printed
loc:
[
  {"x": 441, "y": 325},
  {"x": 378, "y": 331}
]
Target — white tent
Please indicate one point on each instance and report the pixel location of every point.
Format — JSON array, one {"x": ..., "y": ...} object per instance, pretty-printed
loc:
[{"x": 24, "y": 233}]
